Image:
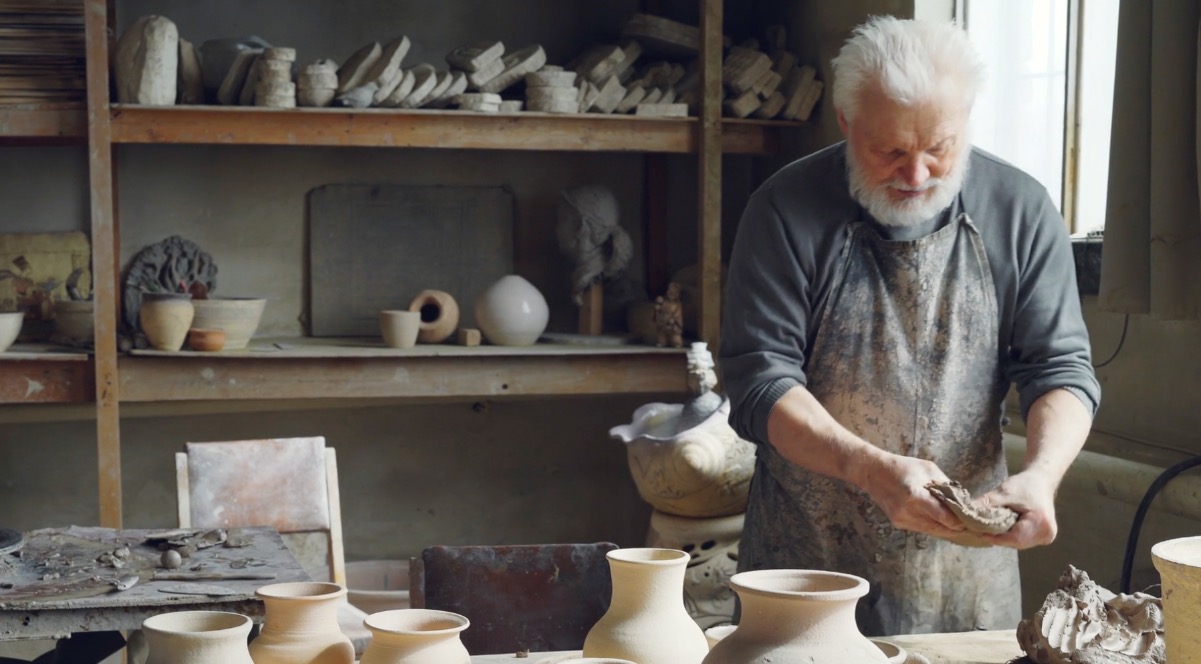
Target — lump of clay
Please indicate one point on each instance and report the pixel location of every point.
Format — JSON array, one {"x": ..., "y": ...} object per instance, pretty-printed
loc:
[
  {"x": 1083, "y": 623},
  {"x": 146, "y": 62},
  {"x": 977, "y": 519}
]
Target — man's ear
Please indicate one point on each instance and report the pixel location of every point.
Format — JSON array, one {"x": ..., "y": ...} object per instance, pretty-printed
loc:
[{"x": 842, "y": 123}]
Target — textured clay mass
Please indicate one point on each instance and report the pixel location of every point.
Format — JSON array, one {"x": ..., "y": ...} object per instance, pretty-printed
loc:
[
  {"x": 1083, "y": 623},
  {"x": 976, "y": 518}
]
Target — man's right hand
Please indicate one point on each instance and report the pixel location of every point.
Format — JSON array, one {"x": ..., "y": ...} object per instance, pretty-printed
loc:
[{"x": 898, "y": 485}]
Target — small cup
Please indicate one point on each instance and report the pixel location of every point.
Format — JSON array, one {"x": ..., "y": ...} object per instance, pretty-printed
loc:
[
  {"x": 400, "y": 328},
  {"x": 206, "y": 340}
]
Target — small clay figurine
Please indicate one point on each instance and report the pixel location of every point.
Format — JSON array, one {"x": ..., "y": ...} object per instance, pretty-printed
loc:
[{"x": 669, "y": 317}]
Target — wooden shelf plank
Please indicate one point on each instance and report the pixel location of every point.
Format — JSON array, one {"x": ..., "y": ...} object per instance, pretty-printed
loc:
[
  {"x": 50, "y": 123},
  {"x": 39, "y": 373},
  {"x": 245, "y": 125},
  {"x": 334, "y": 368}
]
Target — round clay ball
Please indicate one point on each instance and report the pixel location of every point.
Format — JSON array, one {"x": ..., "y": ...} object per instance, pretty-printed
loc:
[{"x": 171, "y": 559}]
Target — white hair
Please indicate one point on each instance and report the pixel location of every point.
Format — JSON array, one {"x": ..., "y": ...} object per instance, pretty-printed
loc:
[{"x": 911, "y": 60}]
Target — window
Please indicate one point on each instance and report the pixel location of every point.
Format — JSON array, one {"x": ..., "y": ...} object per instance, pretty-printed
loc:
[{"x": 1047, "y": 101}]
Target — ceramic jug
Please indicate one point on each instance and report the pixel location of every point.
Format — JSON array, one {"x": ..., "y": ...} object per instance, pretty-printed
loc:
[
  {"x": 416, "y": 636},
  {"x": 1179, "y": 564},
  {"x": 301, "y": 625},
  {"x": 197, "y": 637},
  {"x": 512, "y": 312},
  {"x": 797, "y": 617},
  {"x": 646, "y": 621}
]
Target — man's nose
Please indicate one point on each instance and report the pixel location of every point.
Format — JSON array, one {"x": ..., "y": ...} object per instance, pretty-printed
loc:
[{"x": 915, "y": 172}]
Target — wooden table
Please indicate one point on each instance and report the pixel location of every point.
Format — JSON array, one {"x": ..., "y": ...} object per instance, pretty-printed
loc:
[
  {"x": 995, "y": 647},
  {"x": 60, "y": 583}
]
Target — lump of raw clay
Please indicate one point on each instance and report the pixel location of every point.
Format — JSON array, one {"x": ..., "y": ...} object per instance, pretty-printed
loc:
[
  {"x": 146, "y": 62},
  {"x": 977, "y": 519},
  {"x": 1083, "y": 623}
]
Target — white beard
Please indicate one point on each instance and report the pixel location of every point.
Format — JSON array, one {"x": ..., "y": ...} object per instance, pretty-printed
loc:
[{"x": 875, "y": 198}]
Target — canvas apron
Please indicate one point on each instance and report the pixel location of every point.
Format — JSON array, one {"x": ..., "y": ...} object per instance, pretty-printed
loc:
[{"x": 906, "y": 357}]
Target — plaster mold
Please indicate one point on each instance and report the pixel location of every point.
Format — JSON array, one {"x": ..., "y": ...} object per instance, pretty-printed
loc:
[{"x": 1083, "y": 623}]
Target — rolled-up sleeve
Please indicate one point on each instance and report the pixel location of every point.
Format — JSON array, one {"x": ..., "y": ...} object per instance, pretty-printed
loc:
[{"x": 767, "y": 309}]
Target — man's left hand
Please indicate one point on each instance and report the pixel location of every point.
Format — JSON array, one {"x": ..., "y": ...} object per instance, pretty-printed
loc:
[{"x": 1032, "y": 495}]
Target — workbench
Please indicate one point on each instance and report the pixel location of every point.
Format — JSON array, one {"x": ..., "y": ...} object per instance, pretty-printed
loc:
[{"x": 993, "y": 647}]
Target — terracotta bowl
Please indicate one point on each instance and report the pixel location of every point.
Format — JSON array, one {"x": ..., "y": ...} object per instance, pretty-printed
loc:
[{"x": 206, "y": 340}]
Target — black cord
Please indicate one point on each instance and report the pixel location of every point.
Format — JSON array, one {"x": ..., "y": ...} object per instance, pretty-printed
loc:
[
  {"x": 1121, "y": 342},
  {"x": 1137, "y": 524}
]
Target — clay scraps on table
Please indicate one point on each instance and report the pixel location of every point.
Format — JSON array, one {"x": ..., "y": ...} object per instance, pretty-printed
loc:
[
  {"x": 977, "y": 519},
  {"x": 1083, "y": 623}
]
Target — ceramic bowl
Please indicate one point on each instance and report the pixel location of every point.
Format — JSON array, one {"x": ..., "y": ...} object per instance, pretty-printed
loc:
[
  {"x": 206, "y": 340},
  {"x": 238, "y": 317},
  {"x": 10, "y": 327}
]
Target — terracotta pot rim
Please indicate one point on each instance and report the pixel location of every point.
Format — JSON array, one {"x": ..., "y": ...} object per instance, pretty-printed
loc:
[
  {"x": 649, "y": 556},
  {"x": 781, "y": 583},
  {"x": 1184, "y": 551},
  {"x": 301, "y": 591},
  {"x": 410, "y": 621},
  {"x": 225, "y": 623}
]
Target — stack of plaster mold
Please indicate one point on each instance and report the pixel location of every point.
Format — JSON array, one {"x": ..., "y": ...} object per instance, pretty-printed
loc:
[
  {"x": 154, "y": 66},
  {"x": 374, "y": 76},
  {"x": 269, "y": 82},
  {"x": 551, "y": 90},
  {"x": 317, "y": 84},
  {"x": 767, "y": 85},
  {"x": 490, "y": 71},
  {"x": 1083, "y": 623}
]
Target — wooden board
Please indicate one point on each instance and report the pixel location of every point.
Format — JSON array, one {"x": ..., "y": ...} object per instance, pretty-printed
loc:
[{"x": 375, "y": 247}]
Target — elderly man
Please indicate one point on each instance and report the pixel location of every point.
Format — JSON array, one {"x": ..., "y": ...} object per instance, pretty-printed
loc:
[{"x": 883, "y": 295}]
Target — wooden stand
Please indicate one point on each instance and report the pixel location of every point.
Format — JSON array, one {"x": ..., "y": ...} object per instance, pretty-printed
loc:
[{"x": 592, "y": 310}]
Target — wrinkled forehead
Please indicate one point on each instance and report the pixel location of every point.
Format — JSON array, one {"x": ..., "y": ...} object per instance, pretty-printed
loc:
[{"x": 881, "y": 119}]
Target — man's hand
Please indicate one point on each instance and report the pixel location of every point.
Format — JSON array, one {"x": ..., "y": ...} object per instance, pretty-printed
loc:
[
  {"x": 898, "y": 485},
  {"x": 1032, "y": 495}
]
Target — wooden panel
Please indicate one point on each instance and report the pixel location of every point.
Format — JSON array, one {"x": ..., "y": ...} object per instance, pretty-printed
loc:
[
  {"x": 423, "y": 129},
  {"x": 709, "y": 176},
  {"x": 426, "y": 371},
  {"x": 48, "y": 122},
  {"x": 44, "y": 380}
]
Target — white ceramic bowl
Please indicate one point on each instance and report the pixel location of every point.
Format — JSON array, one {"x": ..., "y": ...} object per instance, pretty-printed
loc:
[
  {"x": 10, "y": 327},
  {"x": 238, "y": 317}
]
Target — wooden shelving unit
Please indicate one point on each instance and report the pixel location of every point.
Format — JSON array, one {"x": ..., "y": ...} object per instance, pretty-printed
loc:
[
  {"x": 49, "y": 123},
  {"x": 40, "y": 374},
  {"x": 310, "y": 369}
]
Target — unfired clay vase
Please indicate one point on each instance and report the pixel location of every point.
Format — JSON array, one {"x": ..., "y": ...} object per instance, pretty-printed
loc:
[
  {"x": 166, "y": 318},
  {"x": 399, "y": 328},
  {"x": 895, "y": 654},
  {"x": 646, "y": 621},
  {"x": 702, "y": 471},
  {"x": 797, "y": 617},
  {"x": 712, "y": 545},
  {"x": 301, "y": 625},
  {"x": 439, "y": 315},
  {"x": 416, "y": 636},
  {"x": 238, "y": 316},
  {"x": 512, "y": 312},
  {"x": 1179, "y": 565},
  {"x": 197, "y": 637},
  {"x": 595, "y": 660},
  {"x": 10, "y": 328}
]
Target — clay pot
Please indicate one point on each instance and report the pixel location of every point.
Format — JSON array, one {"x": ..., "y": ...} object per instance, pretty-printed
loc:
[
  {"x": 646, "y": 621},
  {"x": 1179, "y": 565},
  {"x": 416, "y": 636},
  {"x": 712, "y": 544},
  {"x": 165, "y": 319},
  {"x": 400, "y": 328},
  {"x": 439, "y": 315},
  {"x": 74, "y": 321},
  {"x": 895, "y": 654},
  {"x": 301, "y": 625},
  {"x": 10, "y": 327},
  {"x": 511, "y": 312},
  {"x": 594, "y": 660},
  {"x": 702, "y": 471},
  {"x": 207, "y": 341},
  {"x": 238, "y": 317},
  {"x": 797, "y": 616},
  {"x": 197, "y": 637}
]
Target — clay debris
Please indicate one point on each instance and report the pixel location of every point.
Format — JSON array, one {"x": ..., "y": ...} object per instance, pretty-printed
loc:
[
  {"x": 1083, "y": 623},
  {"x": 976, "y": 518}
]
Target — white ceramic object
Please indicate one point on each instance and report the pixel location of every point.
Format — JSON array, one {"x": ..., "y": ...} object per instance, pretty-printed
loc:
[
  {"x": 1179, "y": 565},
  {"x": 165, "y": 319},
  {"x": 595, "y": 660},
  {"x": 717, "y": 633},
  {"x": 797, "y": 616},
  {"x": 646, "y": 621},
  {"x": 10, "y": 328},
  {"x": 378, "y": 585},
  {"x": 512, "y": 312},
  {"x": 399, "y": 328},
  {"x": 713, "y": 546},
  {"x": 238, "y": 316},
  {"x": 703, "y": 471},
  {"x": 895, "y": 654},
  {"x": 416, "y": 636},
  {"x": 197, "y": 637},
  {"x": 301, "y": 625}
]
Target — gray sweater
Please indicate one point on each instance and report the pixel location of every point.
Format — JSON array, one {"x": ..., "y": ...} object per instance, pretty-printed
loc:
[{"x": 788, "y": 245}]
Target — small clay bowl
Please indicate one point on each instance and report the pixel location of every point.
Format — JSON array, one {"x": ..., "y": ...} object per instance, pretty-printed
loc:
[{"x": 206, "y": 340}]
